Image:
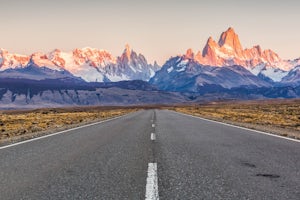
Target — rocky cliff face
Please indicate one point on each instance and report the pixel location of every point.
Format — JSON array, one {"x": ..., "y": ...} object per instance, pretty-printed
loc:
[{"x": 228, "y": 51}]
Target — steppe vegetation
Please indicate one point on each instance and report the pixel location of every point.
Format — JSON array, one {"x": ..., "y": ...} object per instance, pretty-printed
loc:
[
  {"x": 26, "y": 123},
  {"x": 280, "y": 117}
]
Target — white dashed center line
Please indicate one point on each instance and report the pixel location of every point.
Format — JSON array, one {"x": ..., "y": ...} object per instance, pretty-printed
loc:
[
  {"x": 153, "y": 136},
  {"x": 153, "y": 125},
  {"x": 152, "y": 185}
]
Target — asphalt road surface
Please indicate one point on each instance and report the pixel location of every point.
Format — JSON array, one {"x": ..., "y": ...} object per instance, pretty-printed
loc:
[{"x": 151, "y": 154}]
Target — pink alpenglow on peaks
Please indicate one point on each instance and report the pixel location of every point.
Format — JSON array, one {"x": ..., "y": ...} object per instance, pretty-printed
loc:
[
  {"x": 229, "y": 42},
  {"x": 125, "y": 57},
  {"x": 8, "y": 60},
  {"x": 90, "y": 64},
  {"x": 209, "y": 54},
  {"x": 92, "y": 56},
  {"x": 228, "y": 51},
  {"x": 127, "y": 50},
  {"x": 189, "y": 54}
]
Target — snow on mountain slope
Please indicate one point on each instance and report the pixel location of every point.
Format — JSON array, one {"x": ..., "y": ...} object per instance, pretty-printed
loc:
[
  {"x": 228, "y": 51},
  {"x": 86, "y": 63},
  {"x": 8, "y": 60},
  {"x": 94, "y": 65},
  {"x": 134, "y": 66},
  {"x": 90, "y": 64},
  {"x": 274, "y": 73},
  {"x": 293, "y": 77},
  {"x": 182, "y": 74},
  {"x": 42, "y": 60}
]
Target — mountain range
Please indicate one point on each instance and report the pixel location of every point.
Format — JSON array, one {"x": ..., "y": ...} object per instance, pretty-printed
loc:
[
  {"x": 226, "y": 65},
  {"x": 89, "y": 64},
  {"x": 222, "y": 69}
]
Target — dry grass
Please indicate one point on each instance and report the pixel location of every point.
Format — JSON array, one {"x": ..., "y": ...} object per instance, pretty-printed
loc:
[
  {"x": 14, "y": 124},
  {"x": 276, "y": 116}
]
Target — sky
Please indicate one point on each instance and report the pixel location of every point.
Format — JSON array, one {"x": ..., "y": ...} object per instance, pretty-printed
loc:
[{"x": 158, "y": 29}]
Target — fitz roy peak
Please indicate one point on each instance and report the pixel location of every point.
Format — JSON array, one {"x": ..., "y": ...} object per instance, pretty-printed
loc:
[
  {"x": 223, "y": 69},
  {"x": 247, "y": 67},
  {"x": 228, "y": 51},
  {"x": 226, "y": 65},
  {"x": 89, "y": 64}
]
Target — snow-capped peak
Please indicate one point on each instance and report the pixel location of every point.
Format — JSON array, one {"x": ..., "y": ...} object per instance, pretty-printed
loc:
[
  {"x": 90, "y": 64},
  {"x": 8, "y": 60},
  {"x": 95, "y": 57},
  {"x": 228, "y": 51}
]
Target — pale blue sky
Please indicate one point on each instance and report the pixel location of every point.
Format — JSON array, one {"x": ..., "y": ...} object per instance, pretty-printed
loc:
[{"x": 158, "y": 28}]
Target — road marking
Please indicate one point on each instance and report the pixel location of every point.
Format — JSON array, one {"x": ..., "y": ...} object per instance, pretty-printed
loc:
[
  {"x": 152, "y": 184},
  {"x": 235, "y": 126},
  {"x": 153, "y": 125},
  {"x": 53, "y": 134},
  {"x": 153, "y": 137}
]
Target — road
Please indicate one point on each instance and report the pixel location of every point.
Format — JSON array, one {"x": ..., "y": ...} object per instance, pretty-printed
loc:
[{"x": 152, "y": 153}]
